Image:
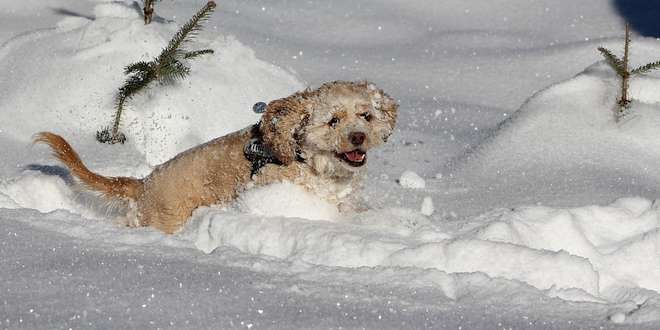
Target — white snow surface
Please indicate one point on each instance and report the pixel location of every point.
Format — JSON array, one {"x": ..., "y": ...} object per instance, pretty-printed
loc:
[
  {"x": 286, "y": 200},
  {"x": 590, "y": 253},
  {"x": 546, "y": 214},
  {"x": 427, "y": 208},
  {"x": 412, "y": 180}
]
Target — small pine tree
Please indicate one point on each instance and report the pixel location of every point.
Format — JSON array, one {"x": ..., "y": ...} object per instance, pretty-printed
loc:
[
  {"x": 166, "y": 69},
  {"x": 148, "y": 10},
  {"x": 621, "y": 66}
]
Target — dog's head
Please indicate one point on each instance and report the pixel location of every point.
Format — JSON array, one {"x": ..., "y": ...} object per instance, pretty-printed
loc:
[{"x": 332, "y": 127}]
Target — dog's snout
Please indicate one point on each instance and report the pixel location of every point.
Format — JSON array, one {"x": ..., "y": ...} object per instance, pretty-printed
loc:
[{"x": 357, "y": 138}]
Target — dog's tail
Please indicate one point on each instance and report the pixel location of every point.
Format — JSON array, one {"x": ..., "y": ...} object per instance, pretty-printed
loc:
[{"x": 117, "y": 187}]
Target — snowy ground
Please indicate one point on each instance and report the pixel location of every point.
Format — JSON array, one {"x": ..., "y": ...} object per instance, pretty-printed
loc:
[{"x": 508, "y": 197}]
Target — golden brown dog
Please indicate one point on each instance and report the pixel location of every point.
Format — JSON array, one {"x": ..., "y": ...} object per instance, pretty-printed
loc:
[{"x": 318, "y": 139}]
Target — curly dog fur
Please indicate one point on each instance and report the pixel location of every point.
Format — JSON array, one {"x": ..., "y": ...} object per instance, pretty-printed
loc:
[{"x": 320, "y": 137}]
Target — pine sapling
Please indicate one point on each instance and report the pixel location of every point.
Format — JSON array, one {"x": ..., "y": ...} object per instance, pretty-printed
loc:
[
  {"x": 148, "y": 10},
  {"x": 621, "y": 67},
  {"x": 167, "y": 68}
]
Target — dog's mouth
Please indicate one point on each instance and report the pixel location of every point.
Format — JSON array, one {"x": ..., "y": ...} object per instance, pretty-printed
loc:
[{"x": 355, "y": 158}]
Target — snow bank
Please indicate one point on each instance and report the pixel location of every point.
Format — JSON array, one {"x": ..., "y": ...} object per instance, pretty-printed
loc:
[
  {"x": 75, "y": 92},
  {"x": 590, "y": 253},
  {"x": 565, "y": 138}
]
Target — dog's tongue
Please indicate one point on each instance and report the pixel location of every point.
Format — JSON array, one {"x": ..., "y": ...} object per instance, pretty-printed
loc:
[{"x": 355, "y": 156}]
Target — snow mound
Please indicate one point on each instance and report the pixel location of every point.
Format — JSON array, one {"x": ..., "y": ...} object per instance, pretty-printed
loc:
[
  {"x": 87, "y": 58},
  {"x": 412, "y": 180},
  {"x": 51, "y": 188},
  {"x": 593, "y": 253},
  {"x": 427, "y": 208},
  {"x": 38, "y": 191},
  {"x": 565, "y": 138},
  {"x": 619, "y": 240},
  {"x": 286, "y": 200}
]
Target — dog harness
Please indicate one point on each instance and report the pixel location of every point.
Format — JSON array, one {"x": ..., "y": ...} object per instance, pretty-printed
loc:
[{"x": 255, "y": 150}]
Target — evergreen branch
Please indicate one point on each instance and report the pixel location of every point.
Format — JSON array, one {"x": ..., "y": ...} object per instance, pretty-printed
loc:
[
  {"x": 166, "y": 68},
  {"x": 121, "y": 98},
  {"x": 646, "y": 68},
  {"x": 195, "y": 53},
  {"x": 613, "y": 61},
  {"x": 188, "y": 30},
  {"x": 136, "y": 67},
  {"x": 173, "y": 71},
  {"x": 134, "y": 84}
]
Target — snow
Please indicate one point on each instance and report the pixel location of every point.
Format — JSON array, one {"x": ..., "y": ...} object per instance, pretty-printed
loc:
[
  {"x": 412, "y": 180},
  {"x": 427, "y": 206},
  {"x": 38, "y": 191},
  {"x": 286, "y": 200},
  {"x": 618, "y": 317},
  {"x": 568, "y": 131},
  {"x": 581, "y": 254},
  {"x": 508, "y": 197}
]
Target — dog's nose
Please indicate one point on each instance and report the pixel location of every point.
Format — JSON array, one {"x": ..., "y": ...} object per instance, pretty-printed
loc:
[{"x": 357, "y": 138}]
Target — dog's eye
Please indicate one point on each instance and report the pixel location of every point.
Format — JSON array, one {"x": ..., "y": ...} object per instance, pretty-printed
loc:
[
  {"x": 366, "y": 116},
  {"x": 333, "y": 122}
]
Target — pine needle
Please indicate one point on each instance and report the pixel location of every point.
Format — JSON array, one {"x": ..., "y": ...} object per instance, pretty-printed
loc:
[
  {"x": 646, "y": 68},
  {"x": 172, "y": 72},
  {"x": 187, "y": 31},
  {"x": 141, "y": 66},
  {"x": 613, "y": 61},
  {"x": 196, "y": 53}
]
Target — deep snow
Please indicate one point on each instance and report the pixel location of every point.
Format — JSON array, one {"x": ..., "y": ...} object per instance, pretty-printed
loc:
[{"x": 508, "y": 196}]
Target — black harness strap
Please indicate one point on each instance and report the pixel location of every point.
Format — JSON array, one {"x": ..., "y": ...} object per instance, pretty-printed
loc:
[{"x": 256, "y": 152}]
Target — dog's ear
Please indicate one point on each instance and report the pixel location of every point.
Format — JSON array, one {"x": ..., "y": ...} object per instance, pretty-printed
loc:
[
  {"x": 384, "y": 103},
  {"x": 282, "y": 126}
]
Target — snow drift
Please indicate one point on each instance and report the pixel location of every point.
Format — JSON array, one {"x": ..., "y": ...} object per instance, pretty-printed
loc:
[
  {"x": 565, "y": 138},
  {"x": 591, "y": 253},
  {"x": 75, "y": 92}
]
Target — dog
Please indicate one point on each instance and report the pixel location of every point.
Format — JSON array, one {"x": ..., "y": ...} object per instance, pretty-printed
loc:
[{"x": 317, "y": 139}]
